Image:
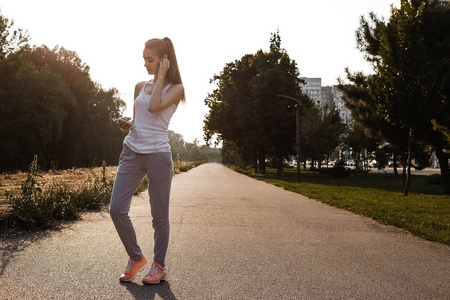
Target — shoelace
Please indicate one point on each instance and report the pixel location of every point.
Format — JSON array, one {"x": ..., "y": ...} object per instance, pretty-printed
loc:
[
  {"x": 153, "y": 270},
  {"x": 129, "y": 265}
]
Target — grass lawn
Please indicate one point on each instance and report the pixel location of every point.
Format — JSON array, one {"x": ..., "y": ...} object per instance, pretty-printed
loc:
[{"x": 425, "y": 212}]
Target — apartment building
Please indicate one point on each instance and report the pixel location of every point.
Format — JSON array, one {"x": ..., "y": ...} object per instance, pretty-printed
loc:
[
  {"x": 326, "y": 96},
  {"x": 313, "y": 88}
]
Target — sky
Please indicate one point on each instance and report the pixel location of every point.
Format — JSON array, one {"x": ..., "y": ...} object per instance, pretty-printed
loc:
[{"x": 109, "y": 37}]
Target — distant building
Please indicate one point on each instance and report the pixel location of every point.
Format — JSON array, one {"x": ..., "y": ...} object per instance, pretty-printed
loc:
[
  {"x": 326, "y": 96},
  {"x": 338, "y": 99},
  {"x": 313, "y": 88}
]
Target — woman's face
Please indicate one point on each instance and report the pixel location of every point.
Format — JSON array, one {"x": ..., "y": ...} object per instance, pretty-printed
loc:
[{"x": 152, "y": 61}]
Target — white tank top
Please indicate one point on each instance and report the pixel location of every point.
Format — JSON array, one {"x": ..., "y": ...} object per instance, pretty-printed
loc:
[{"x": 150, "y": 133}]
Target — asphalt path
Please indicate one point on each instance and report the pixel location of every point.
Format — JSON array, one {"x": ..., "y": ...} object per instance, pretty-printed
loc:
[{"x": 232, "y": 237}]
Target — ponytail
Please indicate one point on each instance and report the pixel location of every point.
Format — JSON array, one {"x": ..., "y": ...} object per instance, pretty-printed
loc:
[{"x": 165, "y": 46}]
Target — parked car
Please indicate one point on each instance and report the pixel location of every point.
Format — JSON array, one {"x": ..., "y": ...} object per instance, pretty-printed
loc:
[{"x": 350, "y": 162}]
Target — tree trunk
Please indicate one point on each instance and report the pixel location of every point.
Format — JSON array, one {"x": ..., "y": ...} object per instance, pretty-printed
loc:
[
  {"x": 445, "y": 171},
  {"x": 255, "y": 161},
  {"x": 404, "y": 162},
  {"x": 280, "y": 165},
  {"x": 395, "y": 164},
  {"x": 262, "y": 161},
  {"x": 408, "y": 175}
]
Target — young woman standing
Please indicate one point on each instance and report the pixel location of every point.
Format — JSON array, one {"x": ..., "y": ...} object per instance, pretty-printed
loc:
[{"x": 146, "y": 152}]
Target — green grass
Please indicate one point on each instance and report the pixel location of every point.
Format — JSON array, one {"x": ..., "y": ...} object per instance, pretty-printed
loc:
[{"x": 425, "y": 212}]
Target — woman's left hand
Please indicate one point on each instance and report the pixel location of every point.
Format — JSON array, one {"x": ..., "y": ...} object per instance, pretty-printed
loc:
[
  {"x": 164, "y": 66},
  {"x": 125, "y": 124}
]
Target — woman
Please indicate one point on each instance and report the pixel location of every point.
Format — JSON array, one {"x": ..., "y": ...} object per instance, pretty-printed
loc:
[{"x": 146, "y": 152}]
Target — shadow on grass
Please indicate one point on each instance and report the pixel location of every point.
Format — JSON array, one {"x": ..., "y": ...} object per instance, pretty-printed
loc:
[{"x": 379, "y": 181}]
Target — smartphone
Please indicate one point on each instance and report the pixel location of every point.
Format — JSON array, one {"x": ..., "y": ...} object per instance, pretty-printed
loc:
[{"x": 125, "y": 121}]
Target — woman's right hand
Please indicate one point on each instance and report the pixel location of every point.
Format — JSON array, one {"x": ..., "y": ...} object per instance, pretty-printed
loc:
[{"x": 164, "y": 66}]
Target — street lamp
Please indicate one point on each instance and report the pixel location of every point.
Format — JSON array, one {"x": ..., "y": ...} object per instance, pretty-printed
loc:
[{"x": 297, "y": 123}]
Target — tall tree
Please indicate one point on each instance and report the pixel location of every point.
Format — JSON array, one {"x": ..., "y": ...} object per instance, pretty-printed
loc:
[
  {"x": 321, "y": 131},
  {"x": 32, "y": 109},
  {"x": 411, "y": 86},
  {"x": 50, "y": 106},
  {"x": 276, "y": 75},
  {"x": 10, "y": 40},
  {"x": 245, "y": 109}
]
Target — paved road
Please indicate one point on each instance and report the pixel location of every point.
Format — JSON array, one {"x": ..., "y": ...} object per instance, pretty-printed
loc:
[{"x": 232, "y": 238}]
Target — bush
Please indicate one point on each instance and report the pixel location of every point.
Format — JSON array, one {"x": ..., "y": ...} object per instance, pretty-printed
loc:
[
  {"x": 142, "y": 187},
  {"x": 40, "y": 208},
  {"x": 36, "y": 208},
  {"x": 339, "y": 170},
  {"x": 64, "y": 202},
  {"x": 184, "y": 166},
  {"x": 96, "y": 191}
]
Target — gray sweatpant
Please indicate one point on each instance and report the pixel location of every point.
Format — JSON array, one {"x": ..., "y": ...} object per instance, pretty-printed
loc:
[{"x": 133, "y": 167}]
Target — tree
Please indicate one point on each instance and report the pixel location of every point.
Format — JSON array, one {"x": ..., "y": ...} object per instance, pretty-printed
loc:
[
  {"x": 245, "y": 109},
  {"x": 49, "y": 106},
  {"x": 230, "y": 107},
  {"x": 364, "y": 108},
  {"x": 411, "y": 86},
  {"x": 10, "y": 40},
  {"x": 32, "y": 109},
  {"x": 358, "y": 140},
  {"x": 320, "y": 132},
  {"x": 445, "y": 131},
  {"x": 332, "y": 130}
]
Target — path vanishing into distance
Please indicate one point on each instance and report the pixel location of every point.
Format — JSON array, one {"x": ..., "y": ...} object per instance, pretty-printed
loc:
[{"x": 232, "y": 237}]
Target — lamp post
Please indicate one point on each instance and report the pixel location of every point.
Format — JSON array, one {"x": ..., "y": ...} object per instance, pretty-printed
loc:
[{"x": 297, "y": 123}]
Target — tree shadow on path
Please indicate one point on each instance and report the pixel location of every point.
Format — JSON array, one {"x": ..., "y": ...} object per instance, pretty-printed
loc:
[{"x": 10, "y": 246}]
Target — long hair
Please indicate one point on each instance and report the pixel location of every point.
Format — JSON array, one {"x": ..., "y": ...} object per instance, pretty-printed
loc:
[{"x": 165, "y": 46}]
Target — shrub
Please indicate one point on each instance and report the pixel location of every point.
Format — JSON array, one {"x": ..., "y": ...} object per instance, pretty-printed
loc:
[
  {"x": 142, "y": 187},
  {"x": 40, "y": 207},
  {"x": 184, "y": 166},
  {"x": 339, "y": 170},
  {"x": 64, "y": 202},
  {"x": 36, "y": 208},
  {"x": 96, "y": 191}
]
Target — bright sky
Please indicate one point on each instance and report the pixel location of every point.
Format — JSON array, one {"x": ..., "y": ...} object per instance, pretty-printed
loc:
[{"x": 109, "y": 37}]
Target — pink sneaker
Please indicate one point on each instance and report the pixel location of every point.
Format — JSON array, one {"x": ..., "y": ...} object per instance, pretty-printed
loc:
[
  {"x": 133, "y": 267},
  {"x": 155, "y": 275}
]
